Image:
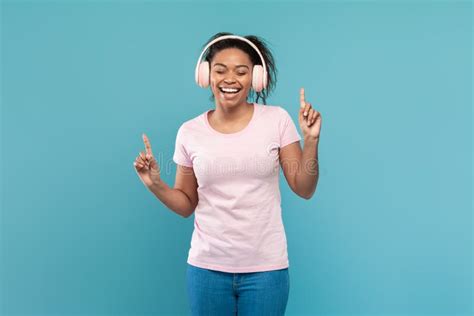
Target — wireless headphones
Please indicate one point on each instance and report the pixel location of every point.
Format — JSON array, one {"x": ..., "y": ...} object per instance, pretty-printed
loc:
[{"x": 259, "y": 73}]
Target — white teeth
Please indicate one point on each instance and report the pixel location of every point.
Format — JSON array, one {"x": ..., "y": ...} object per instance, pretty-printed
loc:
[{"x": 229, "y": 90}]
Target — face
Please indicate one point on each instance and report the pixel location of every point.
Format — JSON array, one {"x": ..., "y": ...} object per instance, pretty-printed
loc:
[{"x": 231, "y": 68}]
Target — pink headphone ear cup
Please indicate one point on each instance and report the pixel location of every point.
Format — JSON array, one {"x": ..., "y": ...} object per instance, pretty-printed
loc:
[
  {"x": 265, "y": 83},
  {"x": 257, "y": 78},
  {"x": 203, "y": 75}
]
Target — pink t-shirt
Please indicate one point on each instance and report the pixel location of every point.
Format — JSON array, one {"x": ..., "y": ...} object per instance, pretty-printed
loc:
[{"x": 237, "y": 223}]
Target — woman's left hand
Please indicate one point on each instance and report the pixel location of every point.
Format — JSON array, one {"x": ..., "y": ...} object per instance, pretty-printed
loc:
[{"x": 309, "y": 119}]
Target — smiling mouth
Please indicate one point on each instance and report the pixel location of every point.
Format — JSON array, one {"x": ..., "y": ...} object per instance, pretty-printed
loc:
[{"x": 229, "y": 90}]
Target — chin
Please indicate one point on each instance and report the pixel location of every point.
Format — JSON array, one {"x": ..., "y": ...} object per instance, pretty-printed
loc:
[{"x": 231, "y": 103}]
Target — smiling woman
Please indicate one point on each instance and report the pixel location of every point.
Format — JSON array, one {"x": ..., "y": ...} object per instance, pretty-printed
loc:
[{"x": 228, "y": 162}]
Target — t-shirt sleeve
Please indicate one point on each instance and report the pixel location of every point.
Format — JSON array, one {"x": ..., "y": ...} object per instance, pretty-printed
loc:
[
  {"x": 181, "y": 154},
  {"x": 288, "y": 132}
]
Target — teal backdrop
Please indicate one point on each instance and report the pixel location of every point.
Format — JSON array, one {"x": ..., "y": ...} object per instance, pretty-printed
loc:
[{"x": 389, "y": 229}]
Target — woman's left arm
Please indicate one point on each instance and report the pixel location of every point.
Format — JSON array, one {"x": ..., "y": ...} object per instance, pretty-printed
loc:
[{"x": 300, "y": 167}]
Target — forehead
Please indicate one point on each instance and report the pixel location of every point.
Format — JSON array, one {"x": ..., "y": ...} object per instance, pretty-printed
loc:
[{"x": 231, "y": 56}]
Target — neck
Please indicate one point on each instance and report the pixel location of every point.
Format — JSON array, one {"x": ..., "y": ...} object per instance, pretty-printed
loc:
[{"x": 225, "y": 114}]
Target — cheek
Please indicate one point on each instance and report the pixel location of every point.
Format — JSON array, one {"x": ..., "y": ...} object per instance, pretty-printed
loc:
[
  {"x": 214, "y": 83},
  {"x": 248, "y": 81},
  {"x": 213, "y": 76}
]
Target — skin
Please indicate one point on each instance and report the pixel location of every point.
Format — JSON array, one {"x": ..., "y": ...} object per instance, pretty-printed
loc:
[
  {"x": 302, "y": 176},
  {"x": 232, "y": 68}
]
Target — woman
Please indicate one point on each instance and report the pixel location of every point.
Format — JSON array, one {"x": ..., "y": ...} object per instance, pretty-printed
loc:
[{"x": 227, "y": 175}]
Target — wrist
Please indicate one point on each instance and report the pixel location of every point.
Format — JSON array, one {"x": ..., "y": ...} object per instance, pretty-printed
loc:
[
  {"x": 311, "y": 139},
  {"x": 156, "y": 186}
]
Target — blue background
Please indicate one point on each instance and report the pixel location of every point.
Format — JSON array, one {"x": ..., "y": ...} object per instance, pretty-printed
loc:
[{"x": 389, "y": 230}]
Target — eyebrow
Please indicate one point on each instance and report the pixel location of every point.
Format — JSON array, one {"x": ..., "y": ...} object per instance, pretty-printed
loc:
[{"x": 219, "y": 64}]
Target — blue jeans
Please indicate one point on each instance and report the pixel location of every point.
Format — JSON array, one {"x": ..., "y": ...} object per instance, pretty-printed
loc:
[{"x": 220, "y": 293}]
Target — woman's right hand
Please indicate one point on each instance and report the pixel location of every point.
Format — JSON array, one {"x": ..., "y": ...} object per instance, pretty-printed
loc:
[{"x": 146, "y": 166}]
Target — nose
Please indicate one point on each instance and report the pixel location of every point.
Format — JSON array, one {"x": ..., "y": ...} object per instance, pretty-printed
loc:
[{"x": 229, "y": 80}]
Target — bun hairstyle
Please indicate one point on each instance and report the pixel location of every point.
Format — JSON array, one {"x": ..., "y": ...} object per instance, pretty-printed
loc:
[{"x": 254, "y": 58}]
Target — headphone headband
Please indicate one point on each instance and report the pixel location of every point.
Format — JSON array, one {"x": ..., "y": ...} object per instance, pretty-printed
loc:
[{"x": 226, "y": 37}]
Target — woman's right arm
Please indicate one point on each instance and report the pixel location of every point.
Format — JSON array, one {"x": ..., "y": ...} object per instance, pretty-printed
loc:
[{"x": 183, "y": 198}]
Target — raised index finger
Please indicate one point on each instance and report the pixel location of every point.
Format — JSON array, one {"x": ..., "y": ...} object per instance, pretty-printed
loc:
[
  {"x": 147, "y": 145},
  {"x": 302, "y": 101}
]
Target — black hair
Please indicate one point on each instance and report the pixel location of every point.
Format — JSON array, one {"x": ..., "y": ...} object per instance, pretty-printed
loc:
[{"x": 264, "y": 49}]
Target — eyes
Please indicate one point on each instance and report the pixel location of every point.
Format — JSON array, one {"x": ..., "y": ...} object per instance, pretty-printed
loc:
[{"x": 240, "y": 73}]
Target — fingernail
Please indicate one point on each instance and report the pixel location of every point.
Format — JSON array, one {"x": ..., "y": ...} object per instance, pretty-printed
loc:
[{"x": 305, "y": 113}]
